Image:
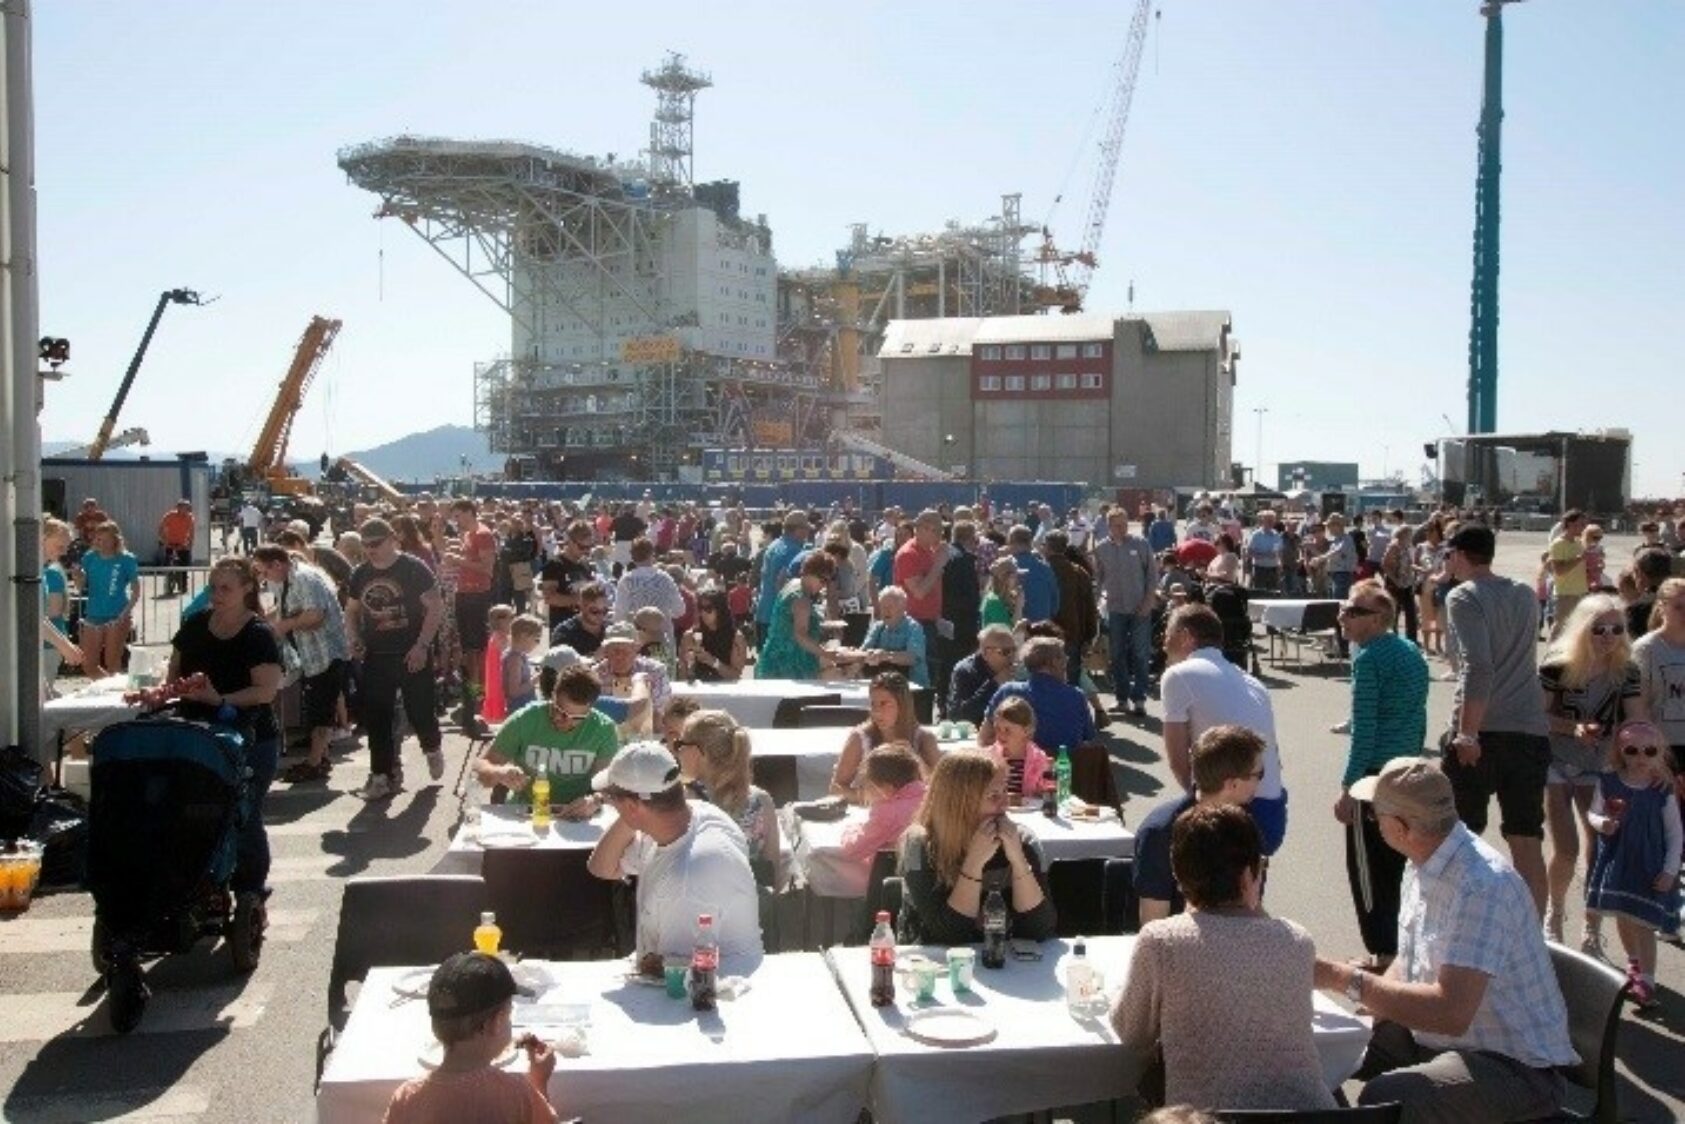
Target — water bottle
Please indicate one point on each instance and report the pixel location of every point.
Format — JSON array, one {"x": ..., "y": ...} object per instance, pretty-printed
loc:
[
  {"x": 994, "y": 931},
  {"x": 883, "y": 961},
  {"x": 541, "y": 803},
  {"x": 1080, "y": 984},
  {"x": 488, "y": 934},
  {"x": 704, "y": 965},
  {"x": 1062, "y": 775}
]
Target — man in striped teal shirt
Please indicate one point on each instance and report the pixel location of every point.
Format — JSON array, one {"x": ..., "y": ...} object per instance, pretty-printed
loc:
[{"x": 1389, "y": 719}]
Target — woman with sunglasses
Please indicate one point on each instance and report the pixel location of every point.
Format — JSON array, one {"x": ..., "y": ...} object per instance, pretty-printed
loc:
[
  {"x": 1635, "y": 875},
  {"x": 1591, "y": 686},
  {"x": 240, "y": 656},
  {"x": 713, "y": 651},
  {"x": 713, "y": 750},
  {"x": 960, "y": 847},
  {"x": 564, "y": 739}
]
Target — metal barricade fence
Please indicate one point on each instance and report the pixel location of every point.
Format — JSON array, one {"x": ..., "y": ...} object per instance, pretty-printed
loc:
[{"x": 164, "y": 592}]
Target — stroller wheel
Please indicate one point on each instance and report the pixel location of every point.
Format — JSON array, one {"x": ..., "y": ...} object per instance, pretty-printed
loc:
[
  {"x": 125, "y": 993},
  {"x": 245, "y": 935}
]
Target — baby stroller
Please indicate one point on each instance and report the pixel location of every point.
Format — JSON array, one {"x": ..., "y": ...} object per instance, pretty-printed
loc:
[{"x": 169, "y": 798}]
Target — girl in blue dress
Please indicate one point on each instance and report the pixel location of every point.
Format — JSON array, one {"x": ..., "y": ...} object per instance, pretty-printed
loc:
[{"x": 1635, "y": 875}]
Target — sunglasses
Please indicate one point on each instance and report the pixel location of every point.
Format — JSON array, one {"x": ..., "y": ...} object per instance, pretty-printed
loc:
[
  {"x": 567, "y": 718},
  {"x": 1635, "y": 750},
  {"x": 1608, "y": 630},
  {"x": 1352, "y": 609}
]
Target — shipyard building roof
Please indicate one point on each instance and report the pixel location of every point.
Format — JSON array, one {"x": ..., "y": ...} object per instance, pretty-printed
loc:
[{"x": 932, "y": 339}]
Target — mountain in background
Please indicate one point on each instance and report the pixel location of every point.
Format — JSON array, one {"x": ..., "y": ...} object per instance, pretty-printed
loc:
[
  {"x": 416, "y": 456},
  {"x": 423, "y": 456}
]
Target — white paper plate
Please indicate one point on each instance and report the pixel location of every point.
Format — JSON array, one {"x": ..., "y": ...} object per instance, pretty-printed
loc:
[
  {"x": 499, "y": 840},
  {"x": 433, "y": 1055},
  {"x": 949, "y": 1026},
  {"x": 413, "y": 983}
]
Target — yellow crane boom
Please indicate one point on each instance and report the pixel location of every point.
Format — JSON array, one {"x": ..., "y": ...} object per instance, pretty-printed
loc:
[{"x": 269, "y": 454}]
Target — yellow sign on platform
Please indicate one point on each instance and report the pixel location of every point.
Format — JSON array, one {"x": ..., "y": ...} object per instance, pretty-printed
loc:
[{"x": 650, "y": 349}]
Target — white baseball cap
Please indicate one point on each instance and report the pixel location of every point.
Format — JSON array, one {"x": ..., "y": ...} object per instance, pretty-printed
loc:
[{"x": 643, "y": 768}]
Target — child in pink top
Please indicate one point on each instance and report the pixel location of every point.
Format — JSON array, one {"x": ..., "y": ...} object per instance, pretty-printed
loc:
[
  {"x": 495, "y": 707},
  {"x": 893, "y": 790},
  {"x": 1029, "y": 770}
]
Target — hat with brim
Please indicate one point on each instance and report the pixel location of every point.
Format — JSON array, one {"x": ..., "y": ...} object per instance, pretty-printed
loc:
[
  {"x": 622, "y": 632},
  {"x": 1413, "y": 788},
  {"x": 470, "y": 983},
  {"x": 642, "y": 768}
]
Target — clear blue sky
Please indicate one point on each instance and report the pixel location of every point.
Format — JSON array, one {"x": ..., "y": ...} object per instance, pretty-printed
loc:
[{"x": 1308, "y": 165}]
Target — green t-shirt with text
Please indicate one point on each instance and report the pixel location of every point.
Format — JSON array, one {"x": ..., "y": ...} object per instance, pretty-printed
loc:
[{"x": 568, "y": 757}]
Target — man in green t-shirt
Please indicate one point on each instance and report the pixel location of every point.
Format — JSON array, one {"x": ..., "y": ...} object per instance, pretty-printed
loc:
[{"x": 564, "y": 739}]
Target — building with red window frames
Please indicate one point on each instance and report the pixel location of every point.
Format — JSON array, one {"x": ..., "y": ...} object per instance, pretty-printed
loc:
[{"x": 1136, "y": 401}]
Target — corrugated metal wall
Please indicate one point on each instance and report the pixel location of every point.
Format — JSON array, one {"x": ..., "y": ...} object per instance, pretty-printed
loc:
[{"x": 137, "y": 494}]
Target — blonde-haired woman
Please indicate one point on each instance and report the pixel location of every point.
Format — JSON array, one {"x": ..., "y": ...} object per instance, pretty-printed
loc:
[
  {"x": 893, "y": 719},
  {"x": 1591, "y": 687},
  {"x": 111, "y": 581},
  {"x": 960, "y": 847},
  {"x": 1660, "y": 656},
  {"x": 57, "y": 649},
  {"x": 713, "y": 750},
  {"x": 1003, "y": 600}
]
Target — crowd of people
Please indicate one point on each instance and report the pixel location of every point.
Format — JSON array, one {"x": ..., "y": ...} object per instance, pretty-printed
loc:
[{"x": 570, "y": 631}]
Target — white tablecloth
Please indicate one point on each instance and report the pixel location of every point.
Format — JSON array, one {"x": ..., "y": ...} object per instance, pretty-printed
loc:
[
  {"x": 789, "y": 1049},
  {"x": 507, "y": 822},
  {"x": 815, "y": 752},
  {"x": 512, "y": 822},
  {"x": 817, "y": 850},
  {"x": 1041, "y": 1056},
  {"x": 1282, "y": 615},
  {"x": 94, "y": 707},
  {"x": 754, "y": 702}
]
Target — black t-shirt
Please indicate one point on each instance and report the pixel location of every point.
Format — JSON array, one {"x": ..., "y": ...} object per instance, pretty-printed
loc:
[
  {"x": 576, "y": 636},
  {"x": 627, "y": 526},
  {"x": 228, "y": 664},
  {"x": 566, "y": 573},
  {"x": 728, "y": 566},
  {"x": 392, "y": 610}
]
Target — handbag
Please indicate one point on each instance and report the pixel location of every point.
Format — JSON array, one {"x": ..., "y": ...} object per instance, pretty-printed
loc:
[{"x": 520, "y": 576}]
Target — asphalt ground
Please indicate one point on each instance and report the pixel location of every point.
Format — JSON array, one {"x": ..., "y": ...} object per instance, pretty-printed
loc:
[{"x": 219, "y": 1046}]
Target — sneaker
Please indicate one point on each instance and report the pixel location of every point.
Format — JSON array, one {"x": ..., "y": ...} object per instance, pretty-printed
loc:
[
  {"x": 1643, "y": 992},
  {"x": 1341, "y": 727},
  {"x": 375, "y": 788},
  {"x": 1592, "y": 945},
  {"x": 342, "y": 735},
  {"x": 396, "y": 776},
  {"x": 436, "y": 764},
  {"x": 1553, "y": 926},
  {"x": 1139, "y": 710}
]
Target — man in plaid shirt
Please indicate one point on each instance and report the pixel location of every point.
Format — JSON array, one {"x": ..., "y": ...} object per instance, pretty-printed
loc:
[{"x": 1469, "y": 1022}]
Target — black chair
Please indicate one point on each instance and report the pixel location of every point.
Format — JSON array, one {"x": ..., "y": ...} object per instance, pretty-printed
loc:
[
  {"x": 825, "y": 716},
  {"x": 788, "y": 714},
  {"x": 548, "y": 903},
  {"x": 1321, "y": 617},
  {"x": 1593, "y": 992},
  {"x": 1121, "y": 908},
  {"x": 924, "y": 704},
  {"x": 435, "y": 916},
  {"x": 855, "y": 626},
  {"x": 772, "y": 937},
  {"x": 883, "y": 869},
  {"x": 1362, "y": 1114}
]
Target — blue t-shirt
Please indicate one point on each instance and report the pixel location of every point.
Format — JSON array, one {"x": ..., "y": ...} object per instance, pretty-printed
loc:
[
  {"x": 52, "y": 581},
  {"x": 108, "y": 584},
  {"x": 881, "y": 566},
  {"x": 1153, "y": 877},
  {"x": 1063, "y": 716},
  {"x": 1041, "y": 588},
  {"x": 1161, "y": 535}
]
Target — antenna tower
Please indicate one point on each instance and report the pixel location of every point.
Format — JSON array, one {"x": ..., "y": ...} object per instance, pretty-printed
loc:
[{"x": 672, "y": 132}]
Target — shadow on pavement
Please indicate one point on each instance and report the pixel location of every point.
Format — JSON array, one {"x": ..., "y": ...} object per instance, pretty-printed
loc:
[{"x": 374, "y": 834}]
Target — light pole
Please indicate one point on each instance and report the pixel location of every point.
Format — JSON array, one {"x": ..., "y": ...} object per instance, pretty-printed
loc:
[{"x": 1258, "y": 453}]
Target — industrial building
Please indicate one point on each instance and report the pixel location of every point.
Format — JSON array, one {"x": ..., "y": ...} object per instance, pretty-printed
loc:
[
  {"x": 653, "y": 334},
  {"x": 1141, "y": 401}
]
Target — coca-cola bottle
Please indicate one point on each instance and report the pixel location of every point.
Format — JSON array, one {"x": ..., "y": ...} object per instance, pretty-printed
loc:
[
  {"x": 994, "y": 931},
  {"x": 704, "y": 965},
  {"x": 883, "y": 962}
]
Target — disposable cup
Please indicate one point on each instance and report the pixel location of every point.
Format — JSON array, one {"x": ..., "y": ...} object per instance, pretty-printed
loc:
[
  {"x": 962, "y": 962},
  {"x": 673, "y": 970}
]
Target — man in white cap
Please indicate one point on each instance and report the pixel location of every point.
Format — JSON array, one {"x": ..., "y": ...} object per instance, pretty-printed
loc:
[
  {"x": 689, "y": 859},
  {"x": 1469, "y": 1022}
]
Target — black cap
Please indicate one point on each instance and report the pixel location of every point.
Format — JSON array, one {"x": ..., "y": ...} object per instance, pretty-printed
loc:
[
  {"x": 1475, "y": 539},
  {"x": 469, "y": 983}
]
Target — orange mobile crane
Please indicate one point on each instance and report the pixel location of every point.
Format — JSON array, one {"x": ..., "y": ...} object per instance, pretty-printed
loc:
[{"x": 268, "y": 462}]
